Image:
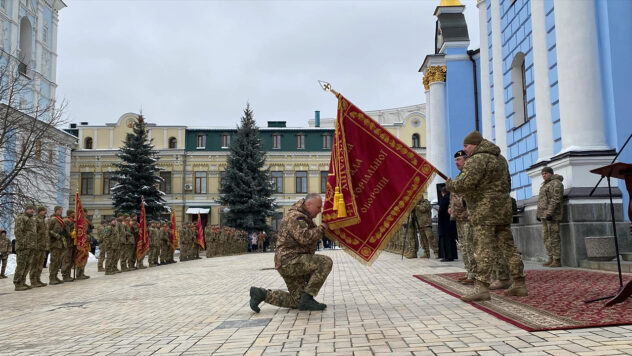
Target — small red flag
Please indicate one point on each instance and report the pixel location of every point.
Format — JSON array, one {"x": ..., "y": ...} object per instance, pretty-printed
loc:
[
  {"x": 200, "y": 234},
  {"x": 142, "y": 245},
  {"x": 81, "y": 234}
]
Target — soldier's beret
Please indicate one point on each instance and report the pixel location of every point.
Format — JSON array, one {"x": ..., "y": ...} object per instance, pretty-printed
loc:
[
  {"x": 460, "y": 153},
  {"x": 3, "y": 231},
  {"x": 133, "y": 214},
  {"x": 126, "y": 215},
  {"x": 69, "y": 212},
  {"x": 547, "y": 170},
  {"x": 119, "y": 215},
  {"x": 57, "y": 207},
  {"x": 41, "y": 208},
  {"x": 473, "y": 138},
  {"x": 30, "y": 207}
]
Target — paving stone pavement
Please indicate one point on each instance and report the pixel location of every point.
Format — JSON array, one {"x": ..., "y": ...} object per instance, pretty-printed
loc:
[{"x": 201, "y": 307}]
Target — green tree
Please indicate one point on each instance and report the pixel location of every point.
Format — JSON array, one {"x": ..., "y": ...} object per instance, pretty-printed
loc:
[
  {"x": 137, "y": 175},
  {"x": 246, "y": 189}
]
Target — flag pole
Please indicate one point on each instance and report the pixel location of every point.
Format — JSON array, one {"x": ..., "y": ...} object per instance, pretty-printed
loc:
[{"x": 327, "y": 87}]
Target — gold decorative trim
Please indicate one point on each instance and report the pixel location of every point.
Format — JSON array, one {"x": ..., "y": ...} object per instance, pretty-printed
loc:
[{"x": 434, "y": 74}]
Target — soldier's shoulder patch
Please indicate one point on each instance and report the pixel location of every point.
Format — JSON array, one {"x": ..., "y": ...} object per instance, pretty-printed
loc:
[{"x": 301, "y": 222}]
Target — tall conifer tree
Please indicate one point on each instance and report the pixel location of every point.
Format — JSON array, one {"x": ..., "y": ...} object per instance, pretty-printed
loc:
[
  {"x": 137, "y": 175},
  {"x": 246, "y": 188}
]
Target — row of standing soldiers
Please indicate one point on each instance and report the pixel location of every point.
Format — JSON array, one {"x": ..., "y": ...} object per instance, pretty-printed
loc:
[
  {"x": 405, "y": 239},
  {"x": 35, "y": 234}
]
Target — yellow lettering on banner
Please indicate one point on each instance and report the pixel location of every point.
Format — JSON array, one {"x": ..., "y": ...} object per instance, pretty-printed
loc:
[
  {"x": 376, "y": 191},
  {"x": 355, "y": 166},
  {"x": 377, "y": 162}
]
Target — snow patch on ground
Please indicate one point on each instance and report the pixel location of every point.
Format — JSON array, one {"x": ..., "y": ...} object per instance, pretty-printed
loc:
[{"x": 12, "y": 263}]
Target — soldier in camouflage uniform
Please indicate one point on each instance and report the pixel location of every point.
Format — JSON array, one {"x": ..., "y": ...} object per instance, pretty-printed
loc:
[
  {"x": 549, "y": 212},
  {"x": 37, "y": 264},
  {"x": 135, "y": 227},
  {"x": 114, "y": 245},
  {"x": 130, "y": 243},
  {"x": 486, "y": 184},
  {"x": 121, "y": 242},
  {"x": 303, "y": 271},
  {"x": 69, "y": 254},
  {"x": 99, "y": 234},
  {"x": 423, "y": 210},
  {"x": 57, "y": 238},
  {"x": 458, "y": 212},
  {"x": 25, "y": 232},
  {"x": 5, "y": 251},
  {"x": 165, "y": 249},
  {"x": 153, "y": 246}
]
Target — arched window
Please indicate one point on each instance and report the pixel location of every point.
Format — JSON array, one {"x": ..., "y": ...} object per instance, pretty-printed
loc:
[
  {"x": 416, "y": 142},
  {"x": 26, "y": 40},
  {"x": 173, "y": 143},
  {"x": 87, "y": 143},
  {"x": 519, "y": 90}
]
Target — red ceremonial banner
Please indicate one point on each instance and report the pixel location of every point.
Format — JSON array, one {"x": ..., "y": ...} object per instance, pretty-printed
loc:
[
  {"x": 173, "y": 231},
  {"x": 142, "y": 242},
  {"x": 81, "y": 234},
  {"x": 375, "y": 180},
  {"x": 200, "y": 235}
]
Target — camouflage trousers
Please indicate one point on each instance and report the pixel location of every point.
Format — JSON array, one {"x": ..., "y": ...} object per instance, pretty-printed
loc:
[
  {"x": 24, "y": 263},
  {"x": 428, "y": 240},
  {"x": 411, "y": 244},
  {"x": 551, "y": 237},
  {"x": 67, "y": 260},
  {"x": 490, "y": 239},
  {"x": 153, "y": 255},
  {"x": 37, "y": 265},
  {"x": 111, "y": 264},
  {"x": 304, "y": 274},
  {"x": 466, "y": 238},
  {"x": 101, "y": 262},
  {"x": 3, "y": 262},
  {"x": 56, "y": 257},
  {"x": 165, "y": 252}
]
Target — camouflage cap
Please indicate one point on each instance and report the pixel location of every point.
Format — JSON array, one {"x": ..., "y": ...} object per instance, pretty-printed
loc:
[
  {"x": 473, "y": 138},
  {"x": 57, "y": 207},
  {"x": 69, "y": 212},
  {"x": 547, "y": 170},
  {"x": 126, "y": 215},
  {"x": 41, "y": 208},
  {"x": 30, "y": 206},
  {"x": 119, "y": 215}
]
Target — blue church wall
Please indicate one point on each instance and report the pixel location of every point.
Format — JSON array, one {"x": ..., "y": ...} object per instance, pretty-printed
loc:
[
  {"x": 488, "y": 11},
  {"x": 477, "y": 63},
  {"x": 549, "y": 23},
  {"x": 460, "y": 104},
  {"x": 515, "y": 23},
  {"x": 615, "y": 50}
]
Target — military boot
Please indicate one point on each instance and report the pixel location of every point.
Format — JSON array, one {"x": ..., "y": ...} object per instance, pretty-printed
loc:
[
  {"x": 21, "y": 287},
  {"x": 518, "y": 288},
  {"x": 67, "y": 278},
  {"x": 548, "y": 263},
  {"x": 556, "y": 263},
  {"x": 39, "y": 283},
  {"x": 100, "y": 269},
  {"x": 52, "y": 280},
  {"x": 257, "y": 295},
  {"x": 307, "y": 302},
  {"x": 480, "y": 293},
  {"x": 500, "y": 284},
  {"x": 4, "y": 267},
  {"x": 83, "y": 276}
]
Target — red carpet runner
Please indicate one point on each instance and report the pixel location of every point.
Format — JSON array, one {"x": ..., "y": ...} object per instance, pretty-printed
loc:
[{"x": 555, "y": 301}]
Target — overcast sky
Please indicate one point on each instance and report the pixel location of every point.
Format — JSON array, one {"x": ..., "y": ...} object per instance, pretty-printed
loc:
[{"x": 197, "y": 63}]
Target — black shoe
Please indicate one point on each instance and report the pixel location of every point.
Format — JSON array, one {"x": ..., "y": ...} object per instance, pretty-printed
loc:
[
  {"x": 257, "y": 295},
  {"x": 445, "y": 260},
  {"x": 307, "y": 302}
]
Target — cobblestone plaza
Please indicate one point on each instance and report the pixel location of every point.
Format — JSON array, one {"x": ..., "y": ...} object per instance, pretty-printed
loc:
[{"x": 201, "y": 308}]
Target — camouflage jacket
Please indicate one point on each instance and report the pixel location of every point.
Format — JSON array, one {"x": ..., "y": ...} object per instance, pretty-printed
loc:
[
  {"x": 56, "y": 232},
  {"x": 423, "y": 210},
  {"x": 43, "y": 244},
  {"x": 98, "y": 233},
  {"x": 111, "y": 237},
  {"x": 25, "y": 232},
  {"x": 134, "y": 230},
  {"x": 550, "y": 198},
  {"x": 298, "y": 235},
  {"x": 486, "y": 184},
  {"x": 70, "y": 227},
  {"x": 5, "y": 246}
]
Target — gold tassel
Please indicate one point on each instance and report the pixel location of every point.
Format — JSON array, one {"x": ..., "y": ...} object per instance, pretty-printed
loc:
[
  {"x": 342, "y": 210},
  {"x": 336, "y": 197}
]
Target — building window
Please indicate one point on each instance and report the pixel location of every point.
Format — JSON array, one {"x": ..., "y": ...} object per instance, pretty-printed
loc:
[
  {"x": 25, "y": 45},
  {"x": 221, "y": 179},
  {"x": 173, "y": 143},
  {"x": 416, "y": 143},
  {"x": 201, "y": 142},
  {"x": 200, "y": 182},
  {"x": 277, "y": 181},
  {"x": 225, "y": 140},
  {"x": 45, "y": 34},
  {"x": 323, "y": 181},
  {"x": 107, "y": 183},
  {"x": 300, "y": 141},
  {"x": 38, "y": 149},
  {"x": 301, "y": 182},
  {"x": 165, "y": 185},
  {"x": 3, "y": 5},
  {"x": 327, "y": 142},
  {"x": 87, "y": 143},
  {"x": 87, "y": 183},
  {"x": 276, "y": 221},
  {"x": 276, "y": 141},
  {"x": 51, "y": 155},
  {"x": 519, "y": 90}
]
